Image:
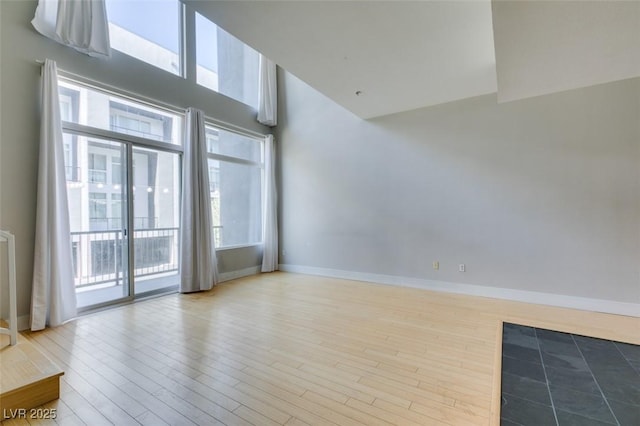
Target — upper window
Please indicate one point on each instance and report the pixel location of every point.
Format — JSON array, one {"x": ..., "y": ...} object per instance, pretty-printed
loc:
[
  {"x": 147, "y": 30},
  {"x": 151, "y": 31},
  {"x": 225, "y": 64}
]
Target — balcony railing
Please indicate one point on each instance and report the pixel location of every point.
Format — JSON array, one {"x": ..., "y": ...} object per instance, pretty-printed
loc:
[
  {"x": 115, "y": 223},
  {"x": 99, "y": 257}
]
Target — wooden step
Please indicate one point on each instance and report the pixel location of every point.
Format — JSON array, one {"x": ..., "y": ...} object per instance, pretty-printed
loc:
[{"x": 28, "y": 378}]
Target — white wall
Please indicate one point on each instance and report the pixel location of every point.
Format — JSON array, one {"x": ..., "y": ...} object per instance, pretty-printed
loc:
[
  {"x": 538, "y": 195},
  {"x": 20, "y": 47}
]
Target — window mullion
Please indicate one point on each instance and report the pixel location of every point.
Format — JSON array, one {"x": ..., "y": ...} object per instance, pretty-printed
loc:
[
  {"x": 89, "y": 131},
  {"x": 236, "y": 160},
  {"x": 189, "y": 61}
]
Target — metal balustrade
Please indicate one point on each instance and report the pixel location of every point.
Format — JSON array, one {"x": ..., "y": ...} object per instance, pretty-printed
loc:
[{"x": 99, "y": 256}]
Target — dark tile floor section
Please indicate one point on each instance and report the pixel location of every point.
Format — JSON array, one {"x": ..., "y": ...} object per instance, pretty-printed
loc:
[{"x": 553, "y": 378}]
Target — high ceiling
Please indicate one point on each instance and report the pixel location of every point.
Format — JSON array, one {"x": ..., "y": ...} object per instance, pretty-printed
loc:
[{"x": 382, "y": 57}]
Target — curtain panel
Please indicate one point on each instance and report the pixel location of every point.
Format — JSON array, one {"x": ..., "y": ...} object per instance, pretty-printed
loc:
[
  {"x": 53, "y": 297},
  {"x": 270, "y": 221},
  {"x": 80, "y": 24},
  {"x": 198, "y": 264},
  {"x": 267, "y": 93}
]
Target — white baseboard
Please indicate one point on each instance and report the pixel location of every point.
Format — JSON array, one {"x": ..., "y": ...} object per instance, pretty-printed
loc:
[
  {"x": 574, "y": 302},
  {"x": 227, "y": 276}
]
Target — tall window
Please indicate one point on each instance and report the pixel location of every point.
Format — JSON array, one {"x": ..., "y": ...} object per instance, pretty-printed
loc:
[
  {"x": 147, "y": 30},
  {"x": 236, "y": 165},
  {"x": 225, "y": 64},
  {"x": 124, "y": 210}
]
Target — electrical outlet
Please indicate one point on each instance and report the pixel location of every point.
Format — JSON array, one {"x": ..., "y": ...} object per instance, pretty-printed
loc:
[
  {"x": 461, "y": 267},
  {"x": 284, "y": 252},
  {"x": 436, "y": 265}
]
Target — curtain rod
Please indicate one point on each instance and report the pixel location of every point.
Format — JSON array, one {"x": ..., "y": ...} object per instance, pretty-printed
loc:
[{"x": 154, "y": 102}]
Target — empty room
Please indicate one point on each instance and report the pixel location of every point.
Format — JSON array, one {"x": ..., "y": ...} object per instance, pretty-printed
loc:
[{"x": 319, "y": 212}]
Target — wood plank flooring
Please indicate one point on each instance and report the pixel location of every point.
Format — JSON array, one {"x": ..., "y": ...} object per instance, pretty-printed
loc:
[{"x": 289, "y": 349}]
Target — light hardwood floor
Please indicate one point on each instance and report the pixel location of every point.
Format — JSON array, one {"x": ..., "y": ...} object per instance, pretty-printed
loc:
[{"x": 292, "y": 349}]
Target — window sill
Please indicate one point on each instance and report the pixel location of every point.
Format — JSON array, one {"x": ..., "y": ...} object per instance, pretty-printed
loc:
[{"x": 239, "y": 246}]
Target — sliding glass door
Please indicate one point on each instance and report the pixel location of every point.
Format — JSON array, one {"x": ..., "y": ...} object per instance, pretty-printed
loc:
[
  {"x": 156, "y": 208},
  {"x": 97, "y": 195},
  {"x": 124, "y": 210}
]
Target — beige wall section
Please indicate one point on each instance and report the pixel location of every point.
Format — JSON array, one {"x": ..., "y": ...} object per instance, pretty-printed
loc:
[
  {"x": 540, "y": 195},
  {"x": 20, "y": 47}
]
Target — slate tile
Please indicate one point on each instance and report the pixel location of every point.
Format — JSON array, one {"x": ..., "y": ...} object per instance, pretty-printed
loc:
[
  {"x": 521, "y": 352},
  {"x": 555, "y": 336},
  {"x": 527, "y": 413},
  {"x": 517, "y": 328},
  {"x": 505, "y": 422},
  {"x": 593, "y": 343},
  {"x": 620, "y": 388},
  {"x": 584, "y": 404},
  {"x": 526, "y": 369},
  {"x": 630, "y": 352},
  {"x": 607, "y": 349},
  {"x": 581, "y": 380},
  {"x": 559, "y": 348},
  {"x": 610, "y": 365},
  {"x": 524, "y": 388},
  {"x": 576, "y": 396},
  {"x": 571, "y": 419},
  {"x": 564, "y": 361},
  {"x": 627, "y": 414},
  {"x": 516, "y": 337}
]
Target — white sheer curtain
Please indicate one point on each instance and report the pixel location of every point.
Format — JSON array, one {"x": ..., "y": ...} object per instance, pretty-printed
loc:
[
  {"x": 81, "y": 24},
  {"x": 267, "y": 93},
  {"x": 198, "y": 265},
  {"x": 270, "y": 221},
  {"x": 53, "y": 297}
]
